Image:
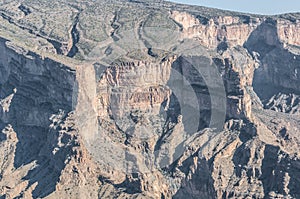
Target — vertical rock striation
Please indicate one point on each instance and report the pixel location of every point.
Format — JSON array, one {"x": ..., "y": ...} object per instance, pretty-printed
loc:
[{"x": 147, "y": 99}]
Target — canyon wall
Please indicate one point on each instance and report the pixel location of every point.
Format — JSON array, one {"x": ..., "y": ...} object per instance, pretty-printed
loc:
[
  {"x": 36, "y": 96},
  {"x": 144, "y": 99}
]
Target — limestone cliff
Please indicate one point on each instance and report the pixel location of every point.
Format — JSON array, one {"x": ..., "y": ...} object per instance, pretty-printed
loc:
[{"x": 147, "y": 99}]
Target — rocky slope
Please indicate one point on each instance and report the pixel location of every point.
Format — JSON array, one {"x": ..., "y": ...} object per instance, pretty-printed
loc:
[{"x": 147, "y": 99}]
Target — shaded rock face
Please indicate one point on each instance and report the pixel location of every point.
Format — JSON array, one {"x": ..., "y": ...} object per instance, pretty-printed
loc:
[
  {"x": 282, "y": 183},
  {"x": 276, "y": 80},
  {"x": 35, "y": 94},
  {"x": 147, "y": 99}
]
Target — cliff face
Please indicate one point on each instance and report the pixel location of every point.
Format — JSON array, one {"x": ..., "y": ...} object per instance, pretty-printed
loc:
[
  {"x": 32, "y": 94},
  {"x": 147, "y": 99},
  {"x": 214, "y": 31}
]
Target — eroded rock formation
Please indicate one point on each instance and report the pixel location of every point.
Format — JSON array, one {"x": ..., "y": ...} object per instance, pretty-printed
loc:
[{"x": 147, "y": 99}]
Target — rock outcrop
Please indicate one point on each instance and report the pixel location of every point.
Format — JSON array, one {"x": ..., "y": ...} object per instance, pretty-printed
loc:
[{"x": 147, "y": 99}]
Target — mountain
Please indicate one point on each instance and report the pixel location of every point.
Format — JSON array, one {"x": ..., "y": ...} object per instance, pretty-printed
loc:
[{"x": 147, "y": 99}]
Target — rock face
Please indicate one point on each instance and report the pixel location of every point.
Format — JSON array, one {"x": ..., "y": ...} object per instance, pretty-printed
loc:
[{"x": 147, "y": 99}]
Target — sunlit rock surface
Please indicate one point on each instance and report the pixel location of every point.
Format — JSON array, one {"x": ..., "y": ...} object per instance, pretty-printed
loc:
[{"x": 147, "y": 99}]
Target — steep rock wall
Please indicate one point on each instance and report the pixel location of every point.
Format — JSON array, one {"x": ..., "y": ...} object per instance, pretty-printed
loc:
[
  {"x": 35, "y": 90},
  {"x": 214, "y": 31}
]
